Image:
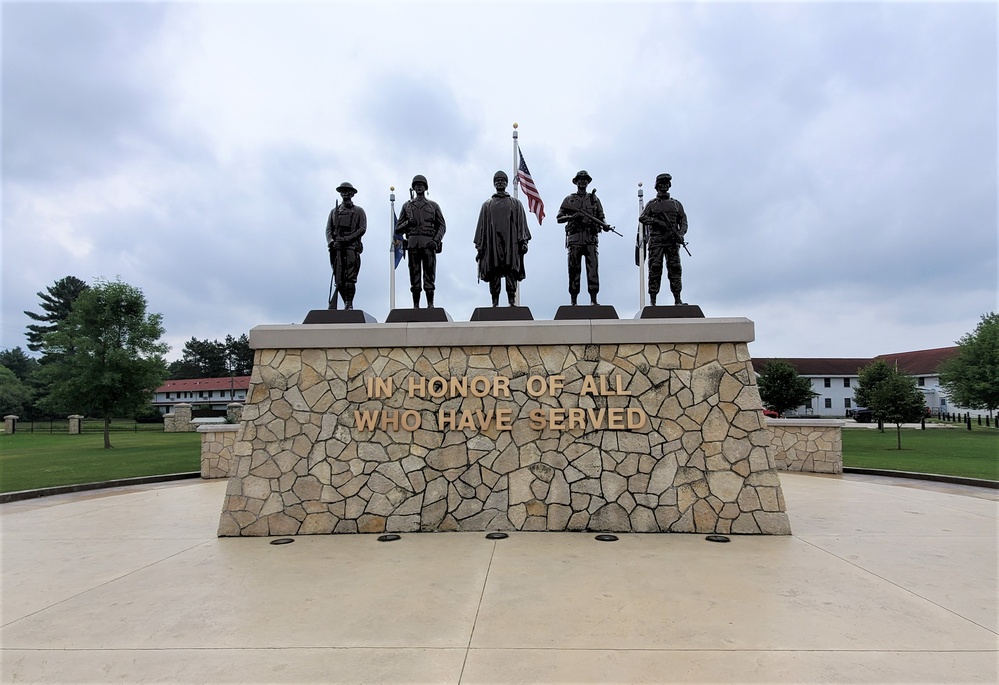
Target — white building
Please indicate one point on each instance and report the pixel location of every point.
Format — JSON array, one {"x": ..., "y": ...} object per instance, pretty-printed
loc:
[
  {"x": 204, "y": 393},
  {"x": 835, "y": 380}
]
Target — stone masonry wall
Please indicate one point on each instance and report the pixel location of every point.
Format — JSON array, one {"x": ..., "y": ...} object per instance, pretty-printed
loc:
[
  {"x": 808, "y": 445},
  {"x": 701, "y": 462},
  {"x": 217, "y": 443}
]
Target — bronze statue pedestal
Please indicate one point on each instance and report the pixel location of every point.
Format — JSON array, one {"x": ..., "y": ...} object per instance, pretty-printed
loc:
[
  {"x": 502, "y": 314},
  {"x": 583, "y": 312},
  {"x": 673, "y": 311},
  {"x": 421, "y": 315},
  {"x": 338, "y": 316}
]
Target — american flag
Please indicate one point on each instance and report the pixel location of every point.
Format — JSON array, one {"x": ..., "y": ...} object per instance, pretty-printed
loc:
[{"x": 534, "y": 202}]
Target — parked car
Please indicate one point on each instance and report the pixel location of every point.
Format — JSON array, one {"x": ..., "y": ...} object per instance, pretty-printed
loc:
[{"x": 863, "y": 415}]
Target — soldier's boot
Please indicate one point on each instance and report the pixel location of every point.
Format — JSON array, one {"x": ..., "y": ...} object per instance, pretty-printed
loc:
[
  {"x": 676, "y": 298},
  {"x": 511, "y": 298},
  {"x": 495, "y": 299},
  {"x": 416, "y": 300},
  {"x": 348, "y": 303},
  {"x": 593, "y": 298},
  {"x": 430, "y": 299},
  {"x": 572, "y": 297}
]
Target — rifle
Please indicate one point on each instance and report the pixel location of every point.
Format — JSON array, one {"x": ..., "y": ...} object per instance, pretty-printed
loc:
[
  {"x": 337, "y": 267},
  {"x": 602, "y": 224},
  {"x": 672, "y": 229}
]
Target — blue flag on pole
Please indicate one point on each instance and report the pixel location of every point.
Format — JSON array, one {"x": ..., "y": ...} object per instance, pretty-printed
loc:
[{"x": 396, "y": 242}]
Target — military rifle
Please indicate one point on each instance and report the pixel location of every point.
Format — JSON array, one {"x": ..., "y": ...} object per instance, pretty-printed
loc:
[{"x": 672, "y": 229}]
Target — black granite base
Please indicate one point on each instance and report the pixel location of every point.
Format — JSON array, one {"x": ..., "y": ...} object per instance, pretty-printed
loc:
[
  {"x": 673, "y": 311},
  {"x": 422, "y": 315},
  {"x": 502, "y": 314},
  {"x": 339, "y": 316},
  {"x": 582, "y": 312}
]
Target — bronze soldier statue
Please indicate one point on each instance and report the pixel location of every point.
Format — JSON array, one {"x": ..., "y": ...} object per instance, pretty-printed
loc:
[
  {"x": 667, "y": 224},
  {"x": 583, "y": 216},
  {"x": 344, "y": 228},
  {"x": 501, "y": 237},
  {"x": 422, "y": 222}
]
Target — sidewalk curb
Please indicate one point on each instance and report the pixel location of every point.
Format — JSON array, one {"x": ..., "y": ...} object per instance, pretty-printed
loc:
[
  {"x": 956, "y": 480},
  {"x": 80, "y": 487}
]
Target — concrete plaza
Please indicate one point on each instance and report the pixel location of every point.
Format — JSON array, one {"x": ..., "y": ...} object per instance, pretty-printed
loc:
[{"x": 882, "y": 581}]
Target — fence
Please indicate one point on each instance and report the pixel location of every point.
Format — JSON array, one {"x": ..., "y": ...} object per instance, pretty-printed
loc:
[{"x": 87, "y": 426}]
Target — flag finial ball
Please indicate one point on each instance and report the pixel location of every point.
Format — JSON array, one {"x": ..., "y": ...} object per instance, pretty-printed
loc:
[
  {"x": 393, "y": 187},
  {"x": 639, "y": 184},
  {"x": 515, "y": 124}
]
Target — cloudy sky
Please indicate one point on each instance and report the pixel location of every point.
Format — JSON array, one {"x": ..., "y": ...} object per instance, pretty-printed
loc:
[{"x": 837, "y": 162}]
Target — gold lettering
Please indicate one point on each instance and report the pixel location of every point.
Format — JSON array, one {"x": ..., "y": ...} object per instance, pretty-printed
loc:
[
  {"x": 503, "y": 419},
  {"x": 537, "y": 419},
  {"x": 596, "y": 420},
  {"x": 589, "y": 386},
  {"x": 637, "y": 418},
  {"x": 536, "y": 386},
  {"x": 437, "y": 387},
  {"x": 615, "y": 418},
  {"x": 604, "y": 388},
  {"x": 446, "y": 419},
  {"x": 484, "y": 418},
  {"x": 620, "y": 386},
  {"x": 555, "y": 419},
  {"x": 577, "y": 418},
  {"x": 379, "y": 387},
  {"x": 459, "y": 386},
  {"x": 365, "y": 420},
  {"x": 480, "y": 386},
  {"x": 466, "y": 420},
  {"x": 411, "y": 420},
  {"x": 417, "y": 386},
  {"x": 390, "y": 420},
  {"x": 501, "y": 386},
  {"x": 555, "y": 385}
]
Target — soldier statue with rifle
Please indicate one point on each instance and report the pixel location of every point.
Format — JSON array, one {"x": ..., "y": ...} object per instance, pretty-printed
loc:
[
  {"x": 344, "y": 228},
  {"x": 583, "y": 216},
  {"x": 666, "y": 223},
  {"x": 422, "y": 222}
]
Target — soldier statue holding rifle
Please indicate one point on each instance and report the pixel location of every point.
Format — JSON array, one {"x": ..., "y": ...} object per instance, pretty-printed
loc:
[
  {"x": 583, "y": 216},
  {"x": 422, "y": 222},
  {"x": 344, "y": 228},
  {"x": 666, "y": 223}
]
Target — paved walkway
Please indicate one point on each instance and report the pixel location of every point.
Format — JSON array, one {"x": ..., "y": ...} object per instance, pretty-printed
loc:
[{"x": 881, "y": 582}]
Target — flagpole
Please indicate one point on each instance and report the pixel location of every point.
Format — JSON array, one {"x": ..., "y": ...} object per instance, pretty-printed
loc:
[
  {"x": 391, "y": 248},
  {"x": 641, "y": 251},
  {"x": 516, "y": 170}
]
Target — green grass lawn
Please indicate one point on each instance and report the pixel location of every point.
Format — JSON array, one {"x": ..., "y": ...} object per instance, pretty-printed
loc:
[
  {"x": 40, "y": 460},
  {"x": 947, "y": 451}
]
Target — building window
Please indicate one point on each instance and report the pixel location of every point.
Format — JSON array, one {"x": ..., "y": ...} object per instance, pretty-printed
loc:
[
  {"x": 846, "y": 403},
  {"x": 846, "y": 382},
  {"x": 828, "y": 403},
  {"x": 808, "y": 404},
  {"x": 828, "y": 382},
  {"x": 921, "y": 382}
]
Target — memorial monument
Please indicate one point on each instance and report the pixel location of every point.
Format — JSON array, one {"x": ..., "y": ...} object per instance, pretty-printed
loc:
[{"x": 643, "y": 425}]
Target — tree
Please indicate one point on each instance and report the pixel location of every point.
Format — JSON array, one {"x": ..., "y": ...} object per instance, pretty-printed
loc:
[
  {"x": 214, "y": 359},
  {"x": 971, "y": 377},
  {"x": 781, "y": 388},
  {"x": 891, "y": 395},
  {"x": 57, "y": 304},
  {"x": 117, "y": 360},
  {"x": 15, "y": 395},
  {"x": 21, "y": 364}
]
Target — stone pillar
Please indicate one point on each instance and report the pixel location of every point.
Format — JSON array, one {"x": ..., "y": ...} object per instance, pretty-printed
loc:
[
  {"x": 233, "y": 411},
  {"x": 74, "y": 424},
  {"x": 179, "y": 420},
  {"x": 10, "y": 424},
  {"x": 217, "y": 441},
  {"x": 812, "y": 445}
]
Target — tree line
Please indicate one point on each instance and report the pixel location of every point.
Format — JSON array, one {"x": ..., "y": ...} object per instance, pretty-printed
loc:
[{"x": 99, "y": 353}]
